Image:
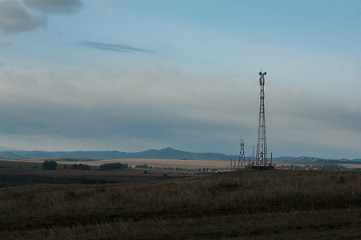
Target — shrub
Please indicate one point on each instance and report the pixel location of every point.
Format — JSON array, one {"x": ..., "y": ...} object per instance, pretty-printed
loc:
[
  {"x": 80, "y": 167},
  {"x": 112, "y": 166},
  {"x": 142, "y": 166},
  {"x": 49, "y": 165}
]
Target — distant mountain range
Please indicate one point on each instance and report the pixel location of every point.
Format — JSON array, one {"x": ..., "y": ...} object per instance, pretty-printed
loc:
[
  {"x": 313, "y": 159},
  {"x": 166, "y": 153}
]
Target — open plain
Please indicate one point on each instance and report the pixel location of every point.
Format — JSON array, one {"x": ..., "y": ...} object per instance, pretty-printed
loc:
[
  {"x": 278, "y": 204},
  {"x": 218, "y": 164}
]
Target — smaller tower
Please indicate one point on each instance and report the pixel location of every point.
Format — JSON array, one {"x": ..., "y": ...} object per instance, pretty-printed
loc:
[
  {"x": 234, "y": 165},
  {"x": 242, "y": 156}
]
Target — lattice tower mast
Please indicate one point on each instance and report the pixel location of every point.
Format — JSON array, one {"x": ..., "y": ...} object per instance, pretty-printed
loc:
[
  {"x": 261, "y": 155},
  {"x": 242, "y": 156}
]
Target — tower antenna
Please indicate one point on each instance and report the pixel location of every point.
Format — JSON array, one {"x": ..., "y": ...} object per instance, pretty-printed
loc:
[{"x": 261, "y": 154}]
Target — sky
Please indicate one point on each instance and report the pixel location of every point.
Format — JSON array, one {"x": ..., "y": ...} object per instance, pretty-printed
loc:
[{"x": 132, "y": 75}]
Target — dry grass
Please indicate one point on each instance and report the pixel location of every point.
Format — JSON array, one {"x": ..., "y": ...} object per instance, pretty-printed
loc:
[
  {"x": 351, "y": 165},
  {"x": 240, "y": 205},
  {"x": 218, "y": 164}
]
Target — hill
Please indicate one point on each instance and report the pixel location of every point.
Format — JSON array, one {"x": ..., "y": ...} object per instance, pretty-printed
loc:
[
  {"x": 165, "y": 153},
  {"x": 9, "y": 155}
]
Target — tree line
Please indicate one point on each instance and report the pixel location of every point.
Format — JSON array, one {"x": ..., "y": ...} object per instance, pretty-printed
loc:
[{"x": 52, "y": 165}]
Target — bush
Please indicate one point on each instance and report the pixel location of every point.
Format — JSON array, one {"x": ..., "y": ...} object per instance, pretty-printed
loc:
[
  {"x": 112, "y": 166},
  {"x": 49, "y": 165},
  {"x": 80, "y": 167},
  {"x": 142, "y": 166}
]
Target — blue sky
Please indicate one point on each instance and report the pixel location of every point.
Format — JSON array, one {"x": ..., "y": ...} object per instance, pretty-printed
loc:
[{"x": 137, "y": 74}]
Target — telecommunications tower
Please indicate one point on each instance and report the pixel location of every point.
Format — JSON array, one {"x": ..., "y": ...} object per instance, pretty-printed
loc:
[
  {"x": 242, "y": 156},
  {"x": 261, "y": 154}
]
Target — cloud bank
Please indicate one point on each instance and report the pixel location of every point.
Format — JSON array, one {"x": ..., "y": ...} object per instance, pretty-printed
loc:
[
  {"x": 152, "y": 107},
  {"x": 23, "y": 15}
]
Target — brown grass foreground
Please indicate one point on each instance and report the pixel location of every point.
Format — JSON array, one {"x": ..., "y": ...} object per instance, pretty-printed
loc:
[{"x": 239, "y": 205}]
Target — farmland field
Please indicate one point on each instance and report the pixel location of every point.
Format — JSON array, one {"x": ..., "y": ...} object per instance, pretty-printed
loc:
[
  {"x": 352, "y": 165},
  {"x": 218, "y": 164},
  {"x": 237, "y": 205}
]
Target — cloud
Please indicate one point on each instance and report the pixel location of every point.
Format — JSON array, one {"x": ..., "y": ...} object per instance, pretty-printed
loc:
[
  {"x": 16, "y": 17},
  {"x": 56, "y": 6},
  {"x": 4, "y": 44},
  {"x": 113, "y": 47},
  {"x": 23, "y": 15}
]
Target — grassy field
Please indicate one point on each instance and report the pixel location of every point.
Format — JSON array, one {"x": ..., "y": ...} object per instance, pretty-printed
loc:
[
  {"x": 237, "y": 205},
  {"x": 190, "y": 164},
  {"x": 10, "y": 177}
]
